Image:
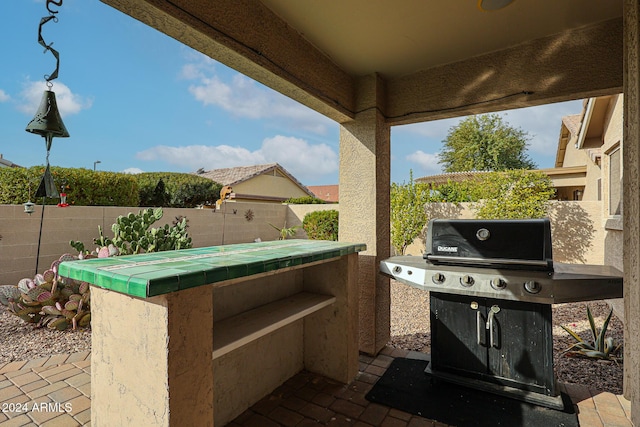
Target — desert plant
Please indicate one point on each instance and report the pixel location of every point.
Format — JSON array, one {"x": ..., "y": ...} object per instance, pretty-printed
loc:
[
  {"x": 321, "y": 225},
  {"x": 50, "y": 300},
  {"x": 132, "y": 235},
  {"x": 601, "y": 348},
  {"x": 286, "y": 232}
]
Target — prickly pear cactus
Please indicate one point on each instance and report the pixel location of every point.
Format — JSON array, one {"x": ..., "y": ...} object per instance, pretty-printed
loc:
[
  {"x": 132, "y": 235},
  {"x": 50, "y": 300}
]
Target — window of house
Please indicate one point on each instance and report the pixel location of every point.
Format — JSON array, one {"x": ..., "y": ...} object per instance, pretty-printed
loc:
[{"x": 615, "y": 181}]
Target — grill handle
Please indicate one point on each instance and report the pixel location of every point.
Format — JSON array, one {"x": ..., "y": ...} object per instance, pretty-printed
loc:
[
  {"x": 480, "y": 323},
  {"x": 487, "y": 261},
  {"x": 492, "y": 313}
]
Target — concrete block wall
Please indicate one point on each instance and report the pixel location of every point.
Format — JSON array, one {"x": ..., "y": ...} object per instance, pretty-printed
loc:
[{"x": 19, "y": 231}]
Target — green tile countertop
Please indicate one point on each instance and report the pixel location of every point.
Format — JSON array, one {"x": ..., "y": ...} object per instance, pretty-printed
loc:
[{"x": 147, "y": 275}]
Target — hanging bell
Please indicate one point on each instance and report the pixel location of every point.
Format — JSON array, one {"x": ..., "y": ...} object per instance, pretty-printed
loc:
[
  {"x": 47, "y": 121},
  {"x": 47, "y": 187}
]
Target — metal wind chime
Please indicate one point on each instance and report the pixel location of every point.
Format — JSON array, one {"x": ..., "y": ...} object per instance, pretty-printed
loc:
[{"x": 47, "y": 121}]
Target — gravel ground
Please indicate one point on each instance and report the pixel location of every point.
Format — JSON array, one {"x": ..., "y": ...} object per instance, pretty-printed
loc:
[
  {"x": 22, "y": 341},
  {"x": 409, "y": 330}
]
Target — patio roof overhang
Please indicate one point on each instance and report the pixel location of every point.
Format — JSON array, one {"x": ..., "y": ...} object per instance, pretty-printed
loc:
[{"x": 435, "y": 59}]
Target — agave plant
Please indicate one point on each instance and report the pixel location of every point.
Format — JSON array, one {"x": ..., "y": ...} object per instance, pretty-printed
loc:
[
  {"x": 601, "y": 348},
  {"x": 50, "y": 300}
]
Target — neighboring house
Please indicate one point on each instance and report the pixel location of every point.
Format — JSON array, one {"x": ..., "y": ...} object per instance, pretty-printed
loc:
[
  {"x": 328, "y": 193},
  {"x": 259, "y": 183},
  {"x": 600, "y": 139},
  {"x": 4, "y": 163}
]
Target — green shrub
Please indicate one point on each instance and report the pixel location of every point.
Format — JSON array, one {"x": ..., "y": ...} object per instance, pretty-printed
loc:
[
  {"x": 176, "y": 190},
  {"x": 321, "y": 225},
  {"x": 84, "y": 187},
  {"x": 513, "y": 194},
  {"x": 306, "y": 200}
]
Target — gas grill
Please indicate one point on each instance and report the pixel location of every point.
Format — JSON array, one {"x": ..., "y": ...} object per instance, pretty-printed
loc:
[{"x": 491, "y": 284}]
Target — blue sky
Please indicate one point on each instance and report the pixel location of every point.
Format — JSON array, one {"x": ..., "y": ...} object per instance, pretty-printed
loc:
[{"x": 137, "y": 100}]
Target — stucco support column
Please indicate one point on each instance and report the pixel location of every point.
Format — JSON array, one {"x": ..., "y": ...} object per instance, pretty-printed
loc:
[
  {"x": 631, "y": 206},
  {"x": 364, "y": 207}
]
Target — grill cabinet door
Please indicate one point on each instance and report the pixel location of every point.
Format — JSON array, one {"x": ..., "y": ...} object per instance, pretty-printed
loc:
[
  {"x": 523, "y": 345},
  {"x": 521, "y": 354},
  {"x": 454, "y": 340}
]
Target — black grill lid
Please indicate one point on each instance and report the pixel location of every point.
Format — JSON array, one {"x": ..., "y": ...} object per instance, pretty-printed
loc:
[{"x": 504, "y": 243}]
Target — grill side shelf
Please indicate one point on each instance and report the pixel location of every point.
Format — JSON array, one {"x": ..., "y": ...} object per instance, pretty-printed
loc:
[{"x": 568, "y": 283}]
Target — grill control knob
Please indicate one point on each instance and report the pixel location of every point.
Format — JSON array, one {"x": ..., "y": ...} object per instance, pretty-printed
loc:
[
  {"x": 498, "y": 284},
  {"x": 466, "y": 280},
  {"x": 438, "y": 278},
  {"x": 532, "y": 287}
]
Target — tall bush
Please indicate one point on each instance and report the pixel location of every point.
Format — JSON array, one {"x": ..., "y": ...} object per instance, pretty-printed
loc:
[
  {"x": 83, "y": 187},
  {"x": 514, "y": 194},
  {"x": 176, "y": 190},
  {"x": 306, "y": 200},
  {"x": 408, "y": 214},
  {"x": 321, "y": 225}
]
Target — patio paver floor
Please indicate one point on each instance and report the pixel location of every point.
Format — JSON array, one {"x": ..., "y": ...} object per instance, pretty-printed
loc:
[{"x": 55, "y": 391}]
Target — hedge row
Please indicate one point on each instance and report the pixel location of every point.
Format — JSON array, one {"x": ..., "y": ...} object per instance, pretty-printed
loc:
[{"x": 85, "y": 187}]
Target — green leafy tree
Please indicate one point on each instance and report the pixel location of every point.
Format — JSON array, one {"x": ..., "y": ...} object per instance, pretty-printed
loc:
[
  {"x": 485, "y": 143},
  {"x": 408, "y": 214},
  {"x": 514, "y": 194}
]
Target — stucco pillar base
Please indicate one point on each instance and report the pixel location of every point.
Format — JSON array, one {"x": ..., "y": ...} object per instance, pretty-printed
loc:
[{"x": 151, "y": 359}]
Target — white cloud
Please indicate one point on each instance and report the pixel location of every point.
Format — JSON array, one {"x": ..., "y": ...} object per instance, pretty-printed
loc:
[
  {"x": 303, "y": 160},
  {"x": 244, "y": 97},
  {"x": 3, "y": 96},
  {"x": 299, "y": 157},
  {"x": 132, "y": 171},
  {"x": 68, "y": 102},
  {"x": 542, "y": 123},
  {"x": 427, "y": 162}
]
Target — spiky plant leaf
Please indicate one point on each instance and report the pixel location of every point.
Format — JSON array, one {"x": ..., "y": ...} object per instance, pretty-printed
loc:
[
  {"x": 573, "y": 334},
  {"x": 592, "y": 325},
  {"x": 600, "y": 344}
]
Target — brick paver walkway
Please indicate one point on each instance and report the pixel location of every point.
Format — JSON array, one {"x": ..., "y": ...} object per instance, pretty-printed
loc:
[{"x": 55, "y": 391}]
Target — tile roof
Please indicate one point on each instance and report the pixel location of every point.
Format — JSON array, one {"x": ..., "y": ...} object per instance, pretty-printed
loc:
[
  {"x": 572, "y": 123},
  {"x": 236, "y": 175},
  {"x": 328, "y": 193}
]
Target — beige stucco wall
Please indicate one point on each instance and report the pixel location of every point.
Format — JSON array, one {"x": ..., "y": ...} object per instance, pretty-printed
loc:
[
  {"x": 19, "y": 231},
  {"x": 270, "y": 185},
  {"x": 577, "y": 229}
]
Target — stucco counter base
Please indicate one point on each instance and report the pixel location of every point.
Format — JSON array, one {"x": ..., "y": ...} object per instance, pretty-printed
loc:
[{"x": 202, "y": 353}]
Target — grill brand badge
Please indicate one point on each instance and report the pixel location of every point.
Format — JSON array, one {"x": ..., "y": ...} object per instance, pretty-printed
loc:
[{"x": 448, "y": 249}]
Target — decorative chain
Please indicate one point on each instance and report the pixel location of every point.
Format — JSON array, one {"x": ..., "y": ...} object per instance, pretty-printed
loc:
[{"x": 46, "y": 46}]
